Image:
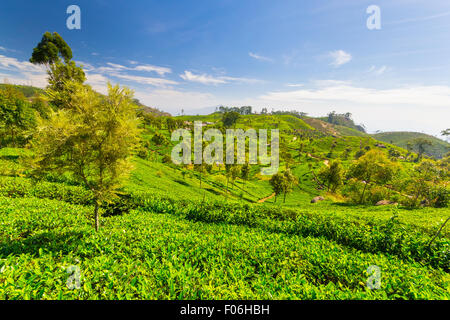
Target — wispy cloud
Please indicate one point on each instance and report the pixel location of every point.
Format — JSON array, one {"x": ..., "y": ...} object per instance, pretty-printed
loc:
[
  {"x": 23, "y": 72},
  {"x": 378, "y": 71},
  {"x": 7, "y": 49},
  {"x": 339, "y": 58},
  {"x": 13, "y": 64},
  {"x": 201, "y": 78},
  {"x": 418, "y": 19},
  {"x": 114, "y": 67},
  {"x": 214, "y": 80},
  {"x": 157, "y": 82},
  {"x": 127, "y": 73},
  {"x": 173, "y": 101},
  {"x": 259, "y": 57}
]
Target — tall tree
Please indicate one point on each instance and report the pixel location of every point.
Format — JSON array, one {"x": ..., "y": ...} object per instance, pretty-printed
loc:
[
  {"x": 92, "y": 138},
  {"x": 54, "y": 53}
]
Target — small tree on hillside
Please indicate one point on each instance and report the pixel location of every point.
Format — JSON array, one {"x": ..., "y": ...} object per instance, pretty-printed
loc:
[
  {"x": 229, "y": 119},
  {"x": 245, "y": 172},
  {"x": 92, "y": 138},
  {"x": 235, "y": 171},
  {"x": 421, "y": 144},
  {"x": 332, "y": 175},
  {"x": 372, "y": 168},
  {"x": 289, "y": 180},
  {"x": 276, "y": 182}
]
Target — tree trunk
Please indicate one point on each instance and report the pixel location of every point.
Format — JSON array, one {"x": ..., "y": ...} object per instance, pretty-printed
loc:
[
  {"x": 284, "y": 198},
  {"x": 362, "y": 196},
  {"x": 97, "y": 219},
  {"x": 13, "y": 138}
]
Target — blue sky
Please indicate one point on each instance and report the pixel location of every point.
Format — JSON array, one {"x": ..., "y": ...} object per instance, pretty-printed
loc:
[{"x": 312, "y": 56}]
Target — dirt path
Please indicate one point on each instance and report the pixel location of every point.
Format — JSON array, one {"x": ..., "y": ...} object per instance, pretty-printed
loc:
[{"x": 266, "y": 198}]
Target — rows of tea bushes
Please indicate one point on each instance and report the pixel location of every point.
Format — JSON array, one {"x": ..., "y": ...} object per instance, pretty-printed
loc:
[
  {"x": 143, "y": 255},
  {"x": 390, "y": 237},
  {"x": 14, "y": 187}
]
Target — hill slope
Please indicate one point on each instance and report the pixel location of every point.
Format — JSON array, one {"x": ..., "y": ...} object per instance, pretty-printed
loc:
[{"x": 402, "y": 138}]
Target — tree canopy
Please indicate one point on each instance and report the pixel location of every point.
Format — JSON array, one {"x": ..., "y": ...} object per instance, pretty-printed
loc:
[
  {"x": 92, "y": 138},
  {"x": 51, "y": 48}
]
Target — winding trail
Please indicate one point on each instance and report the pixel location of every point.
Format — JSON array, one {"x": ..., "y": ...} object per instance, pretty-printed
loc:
[{"x": 266, "y": 198}]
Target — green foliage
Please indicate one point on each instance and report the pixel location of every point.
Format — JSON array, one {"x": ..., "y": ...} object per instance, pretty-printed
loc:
[
  {"x": 437, "y": 150},
  {"x": 92, "y": 138},
  {"x": 166, "y": 256},
  {"x": 373, "y": 167},
  {"x": 159, "y": 139},
  {"x": 16, "y": 116},
  {"x": 283, "y": 183},
  {"x": 277, "y": 182},
  {"x": 229, "y": 119},
  {"x": 332, "y": 175},
  {"x": 51, "y": 48}
]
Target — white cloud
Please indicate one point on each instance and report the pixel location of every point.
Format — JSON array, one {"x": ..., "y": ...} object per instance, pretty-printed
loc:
[
  {"x": 22, "y": 72},
  {"x": 98, "y": 82},
  {"x": 7, "y": 49},
  {"x": 295, "y": 85},
  {"x": 144, "y": 67},
  {"x": 173, "y": 101},
  {"x": 157, "y": 82},
  {"x": 86, "y": 66},
  {"x": 149, "y": 68},
  {"x": 214, "y": 80},
  {"x": 121, "y": 72},
  {"x": 8, "y": 63},
  {"x": 412, "y": 108},
  {"x": 201, "y": 78},
  {"x": 259, "y": 57},
  {"x": 339, "y": 57}
]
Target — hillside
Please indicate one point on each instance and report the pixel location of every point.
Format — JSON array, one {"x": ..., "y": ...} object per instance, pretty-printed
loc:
[
  {"x": 186, "y": 234},
  {"x": 400, "y": 138},
  {"x": 27, "y": 91}
]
